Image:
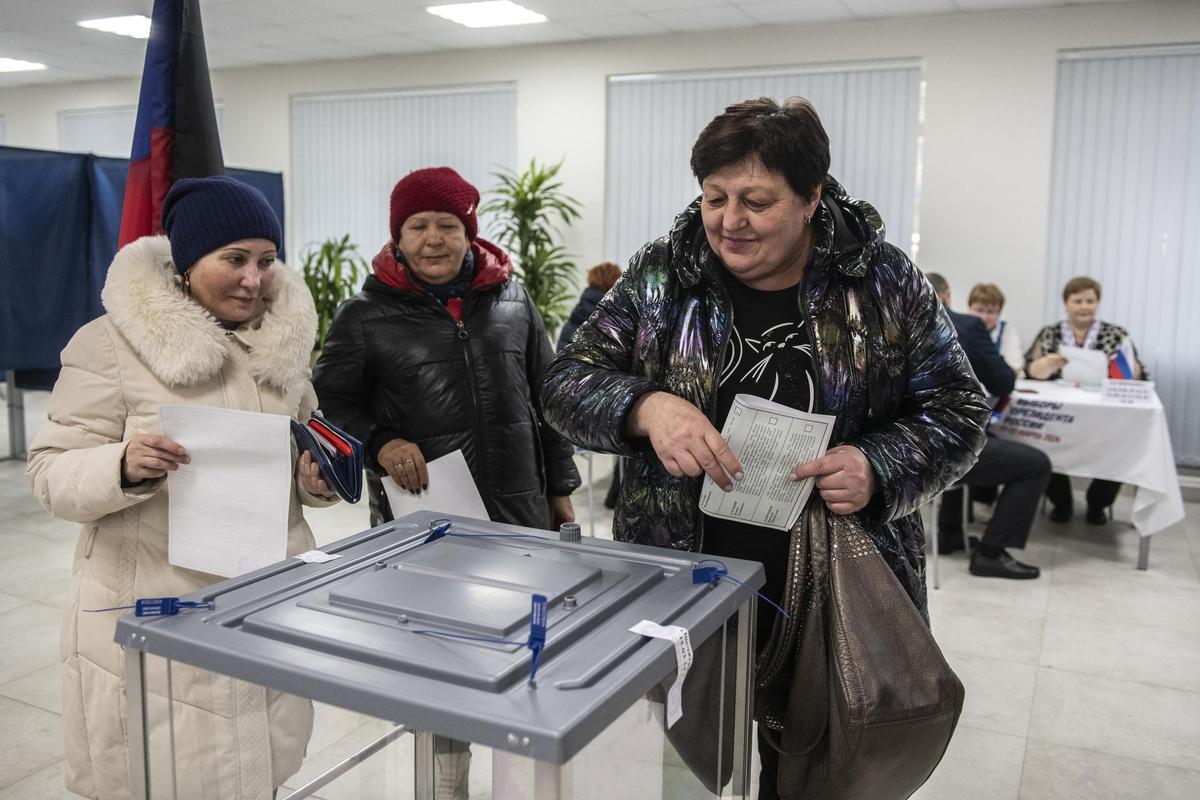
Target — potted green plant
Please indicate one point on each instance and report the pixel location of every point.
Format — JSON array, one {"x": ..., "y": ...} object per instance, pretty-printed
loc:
[
  {"x": 527, "y": 207},
  {"x": 331, "y": 270}
]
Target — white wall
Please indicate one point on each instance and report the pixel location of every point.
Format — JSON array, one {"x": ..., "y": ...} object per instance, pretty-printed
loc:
[{"x": 988, "y": 113}]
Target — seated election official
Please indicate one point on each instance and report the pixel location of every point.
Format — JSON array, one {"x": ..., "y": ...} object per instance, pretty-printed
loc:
[
  {"x": 986, "y": 301},
  {"x": 1022, "y": 470},
  {"x": 1082, "y": 328},
  {"x": 206, "y": 315},
  {"x": 773, "y": 282}
]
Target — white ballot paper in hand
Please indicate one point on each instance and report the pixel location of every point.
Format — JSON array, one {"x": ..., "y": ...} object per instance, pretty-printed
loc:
[
  {"x": 770, "y": 440},
  {"x": 1089, "y": 367},
  {"x": 451, "y": 490},
  {"x": 228, "y": 508}
]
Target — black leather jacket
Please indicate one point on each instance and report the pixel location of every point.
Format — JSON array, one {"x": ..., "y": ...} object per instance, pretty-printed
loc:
[{"x": 396, "y": 363}]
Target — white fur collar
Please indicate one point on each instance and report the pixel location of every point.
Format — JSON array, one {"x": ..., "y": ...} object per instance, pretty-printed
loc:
[{"x": 183, "y": 344}]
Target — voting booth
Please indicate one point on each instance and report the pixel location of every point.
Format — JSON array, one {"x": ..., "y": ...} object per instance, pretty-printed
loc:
[{"x": 574, "y": 668}]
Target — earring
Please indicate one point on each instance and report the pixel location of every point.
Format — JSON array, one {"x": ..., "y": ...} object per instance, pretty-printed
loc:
[{"x": 187, "y": 283}]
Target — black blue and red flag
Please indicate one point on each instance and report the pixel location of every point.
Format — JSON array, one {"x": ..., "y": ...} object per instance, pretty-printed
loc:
[{"x": 176, "y": 131}]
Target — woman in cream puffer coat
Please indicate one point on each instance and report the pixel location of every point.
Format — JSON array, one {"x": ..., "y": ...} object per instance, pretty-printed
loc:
[{"x": 159, "y": 344}]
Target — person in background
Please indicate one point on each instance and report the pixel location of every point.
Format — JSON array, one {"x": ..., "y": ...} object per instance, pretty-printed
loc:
[
  {"x": 443, "y": 351},
  {"x": 1022, "y": 470},
  {"x": 600, "y": 279},
  {"x": 1043, "y": 361},
  {"x": 986, "y": 301},
  {"x": 205, "y": 315},
  {"x": 774, "y": 282}
]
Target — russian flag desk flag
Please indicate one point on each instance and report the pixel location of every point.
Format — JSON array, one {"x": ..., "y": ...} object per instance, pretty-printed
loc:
[
  {"x": 176, "y": 131},
  {"x": 1119, "y": 368}
]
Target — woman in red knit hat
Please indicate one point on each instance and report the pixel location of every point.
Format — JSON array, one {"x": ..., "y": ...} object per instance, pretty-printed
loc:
[{"x": 443, "y": 351}]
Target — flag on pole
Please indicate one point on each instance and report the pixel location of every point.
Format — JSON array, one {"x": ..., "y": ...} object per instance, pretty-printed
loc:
[{"x": 176, "y": 131}]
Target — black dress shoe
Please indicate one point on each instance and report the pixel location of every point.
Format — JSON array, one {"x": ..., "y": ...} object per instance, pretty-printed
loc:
[
  {"x": 1001, "y": 566},
  {"x": 1096, "y": 516},
  {"x": 1060, "y": 514}
]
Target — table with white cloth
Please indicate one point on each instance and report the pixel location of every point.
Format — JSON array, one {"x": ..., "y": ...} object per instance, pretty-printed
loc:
[{"x": 1090, "y": 437}]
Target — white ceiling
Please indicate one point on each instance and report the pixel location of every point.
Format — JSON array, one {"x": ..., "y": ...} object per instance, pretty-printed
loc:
[{"x": 241, "y": 33}]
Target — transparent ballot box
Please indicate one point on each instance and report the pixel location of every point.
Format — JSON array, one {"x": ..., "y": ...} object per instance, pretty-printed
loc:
[{"x": 438, "y": 656}]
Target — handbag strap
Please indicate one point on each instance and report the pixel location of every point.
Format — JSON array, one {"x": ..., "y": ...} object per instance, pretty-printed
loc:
[
  {"x": 806, "y": 725},
  {"x": 807, "y": 714}
]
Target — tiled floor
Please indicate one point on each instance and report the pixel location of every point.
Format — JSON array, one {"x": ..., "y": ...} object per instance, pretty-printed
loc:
[{"x": 1082, "y": 684}]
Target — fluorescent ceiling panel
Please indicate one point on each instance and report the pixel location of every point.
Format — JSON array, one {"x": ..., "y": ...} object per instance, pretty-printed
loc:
[
  {"x": 490, "y": 14},
  {"x": 17, "y": 65},
  {"x": 136, "y": 26}
]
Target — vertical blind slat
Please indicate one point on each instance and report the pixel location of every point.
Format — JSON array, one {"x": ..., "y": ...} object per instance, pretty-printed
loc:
[
  {"x": 872, "y": 117},
  {"x": 348, "y": 151},
  {"x": 1124, "y": 200},
  {"x": 104, "y": 131}
]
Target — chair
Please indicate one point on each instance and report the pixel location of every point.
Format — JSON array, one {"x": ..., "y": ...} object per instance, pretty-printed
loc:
[{"x": 966, "y": 511}]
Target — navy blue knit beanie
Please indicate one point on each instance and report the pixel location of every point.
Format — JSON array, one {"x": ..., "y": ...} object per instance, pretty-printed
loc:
[{"x": 203, "y": 214}]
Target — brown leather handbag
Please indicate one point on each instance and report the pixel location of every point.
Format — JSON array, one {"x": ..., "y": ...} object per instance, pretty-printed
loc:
[{"x": 871, "y": 703}]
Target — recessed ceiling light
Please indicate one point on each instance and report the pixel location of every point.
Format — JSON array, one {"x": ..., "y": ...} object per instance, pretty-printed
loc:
[
  {"x": 17, "y": 65},
  {"x": 491, "y": 14},
  {"x": 136, "y": 26}
]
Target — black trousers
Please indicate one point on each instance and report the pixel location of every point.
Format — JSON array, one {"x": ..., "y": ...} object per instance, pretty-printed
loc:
[
  {"x": 1100, "y": 493},
  {"x": 1023, "y": 471}
]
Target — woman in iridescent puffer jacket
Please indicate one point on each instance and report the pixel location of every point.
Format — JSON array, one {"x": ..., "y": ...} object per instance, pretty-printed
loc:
[{"x": 775, "y": 283}]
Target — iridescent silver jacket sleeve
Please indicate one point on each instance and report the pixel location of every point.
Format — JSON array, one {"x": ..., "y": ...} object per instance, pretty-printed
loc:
[
  {"x": 937, "y": 431},
  {"x": 592, "y": 383}
]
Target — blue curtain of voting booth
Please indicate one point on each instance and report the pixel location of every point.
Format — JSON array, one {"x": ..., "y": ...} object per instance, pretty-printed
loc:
[{"x": 60, "y": 215}]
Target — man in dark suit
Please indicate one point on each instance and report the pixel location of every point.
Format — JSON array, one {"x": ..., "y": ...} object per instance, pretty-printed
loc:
[{"x": 1022, "y": 470}]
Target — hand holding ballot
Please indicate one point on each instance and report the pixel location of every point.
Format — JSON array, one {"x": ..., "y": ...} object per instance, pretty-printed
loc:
[
  {"x": 770, "y": 440},
  {"x": 148, "y": 456},
  {"x": 683, "y": 438},
  {"x": 405, "y": 464},
  {"x": 844, "y": 477},
  {"x": 449, "y": 487}
]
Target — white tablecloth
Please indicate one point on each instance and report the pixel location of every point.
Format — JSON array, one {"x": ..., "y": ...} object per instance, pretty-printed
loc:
[{"x": 1091, "y": 438}]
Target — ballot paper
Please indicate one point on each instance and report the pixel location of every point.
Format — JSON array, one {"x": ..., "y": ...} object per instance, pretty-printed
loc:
[
  {"x": 451, "y": 490},
  {"x": 1085, "y": 366},
  {"x": 770, "y": 440},
  {"x": 228, "y": 508}
]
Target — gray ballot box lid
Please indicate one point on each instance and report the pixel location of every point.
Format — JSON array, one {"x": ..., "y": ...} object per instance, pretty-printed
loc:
[{"x": 345, "y": 632}]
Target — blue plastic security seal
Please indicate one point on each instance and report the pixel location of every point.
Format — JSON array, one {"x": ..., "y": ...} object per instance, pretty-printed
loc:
[{"x": 537, "y": 635}]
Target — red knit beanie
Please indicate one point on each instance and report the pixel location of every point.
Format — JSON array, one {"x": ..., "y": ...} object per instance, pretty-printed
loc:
[{"x": 434, "y": 189}]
